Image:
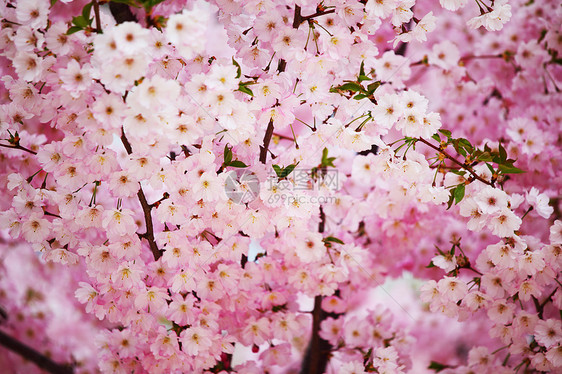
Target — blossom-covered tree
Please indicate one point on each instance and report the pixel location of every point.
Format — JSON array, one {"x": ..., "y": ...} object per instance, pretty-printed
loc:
[{"x": 281, "y": 186}]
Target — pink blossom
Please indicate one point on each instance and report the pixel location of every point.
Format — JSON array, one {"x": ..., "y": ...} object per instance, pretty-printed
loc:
[
  {"x": 539, "y": 202},
  {"x": 548, "y": 332},
  {"x": 195, "y": 340}
]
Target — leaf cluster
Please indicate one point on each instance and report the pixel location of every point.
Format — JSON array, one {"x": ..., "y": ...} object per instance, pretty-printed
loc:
[
  {"x": 497, "y": 161},
  {"x": 283, "y": 172},
  {"x": 228, "y": 161},
  {"x": 357, "y": 88},
  {"x": 325, "y": 162},
  {"x": 242, "y": 86},
  {"x": 83, "y": 21}
]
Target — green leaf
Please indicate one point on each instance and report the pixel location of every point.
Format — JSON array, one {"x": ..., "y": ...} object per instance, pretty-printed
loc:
[
  {"x": 237, "y": 164},
  {"x": 439, "y": 250},
  {"x": 485, "y": 156},
  {"x": 503, "y": 153},
  {"x": 459, "y": 193},
  {"x": 227, "y": 155},
  {"x": 81, "y": 21},
  {"x": 447, "y": 133},
  {"x": 278, "y": 308},
  {"x": 510, "y": 169},
  {"x": 458, "y": 172},
  {"x": 74, "y": 29},
  {"x": 458, "y": 148},
  {"x": 239, "y": 69},
  {"x": 466, "y": 145},
  {"x": 496, "y": 158},
  {"x": 436, "y": 138},
  {"x": 350, "y": 86},
  {"x": 86, "y": 10},
  {"x": 245, "y": 89},
  {"x": 287, "y": 170},
  {"x": 431, "y": 265},
  {"x": 437, "y": 366},
  {"x": 278, "y": 170},
  {"x": 360, "y": 96},
  {"x": 452, "y": 251},
  {"x": 149, "y": 4},
  {"x": 283, "y": 172},
  {"x": 327, "y": 161},
  {"x": 373, "y": 87},
  {"x": 451, "y": 198},
  {"x": 362, "y": 76},
  {"x": 490, "y": 168},
  {"x": 465, "y": 142},
  {"x": 333, "y": 239}
]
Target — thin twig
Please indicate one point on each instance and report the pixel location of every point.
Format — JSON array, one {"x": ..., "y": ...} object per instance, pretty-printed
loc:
[
  {"x": 466, "y": 167},
  {"x": 146, "y": 208},
  {"x": 472, "y": 57},
  {"x": 283, "y": 137},
  {"x": 34, "y": 356},
  {"x": 300, "y": 18},
  {"x": 266, "y": 141},
  {"x": 97, "y": 16},
  {"x": 18, "y": 147}
]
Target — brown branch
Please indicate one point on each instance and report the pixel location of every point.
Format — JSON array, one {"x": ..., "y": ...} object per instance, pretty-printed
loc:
[
  {"x": 300, "y": 18},
  {"x": 266, "y": 141},
  {"x": 318, "y": 351},
  {"x": 401, "y": 49},
  {"x": 121, "y": 12},
  {"x": 283, "y": 137},
  {"x": 146, "y": 208},
  {"x": 18, "y": 147},
  {"x": 47, "y": 213},
  {"x": 34, "y": 356},
  {"x": 96, "y": 7},
  {"x": 471, "y": 57},
  {"x": 281, "y": 65},
  {"x": 465, "y": 167},
  {"x": 322, "y": 224},
  {"x": 548, "y": 298},
  {"x": 318, "y": 14},
  {"x": 297, "y": 20},
  {"x": 555, "y": 203}
]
